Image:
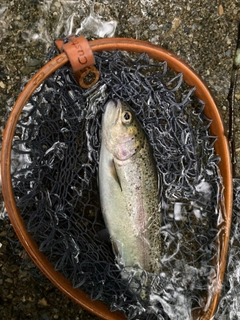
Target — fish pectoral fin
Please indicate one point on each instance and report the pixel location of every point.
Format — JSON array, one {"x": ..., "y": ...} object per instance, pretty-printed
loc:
[{"x": 114, "y": 173}]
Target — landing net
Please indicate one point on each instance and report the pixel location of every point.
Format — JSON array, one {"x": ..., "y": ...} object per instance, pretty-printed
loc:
[{"x": 55, "y": 180}]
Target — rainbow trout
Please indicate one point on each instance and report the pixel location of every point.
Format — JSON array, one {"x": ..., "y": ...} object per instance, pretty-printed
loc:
[{"x": 129, "y": 190}]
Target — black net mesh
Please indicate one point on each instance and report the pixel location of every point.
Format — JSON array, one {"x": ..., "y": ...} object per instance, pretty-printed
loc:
[{"x": 55, "y": 181}]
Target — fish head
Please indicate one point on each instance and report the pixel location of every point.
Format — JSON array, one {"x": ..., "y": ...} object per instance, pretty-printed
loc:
[{"x": 121, "y": 132}]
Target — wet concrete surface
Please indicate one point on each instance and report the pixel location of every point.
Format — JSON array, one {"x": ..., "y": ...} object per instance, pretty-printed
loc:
[{"x": 203, "y": 34}]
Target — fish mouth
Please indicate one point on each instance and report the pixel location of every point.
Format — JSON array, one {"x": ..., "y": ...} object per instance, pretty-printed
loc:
[
  {"x": 113, "y": 110},
  {"x": 118, "y": 110}
]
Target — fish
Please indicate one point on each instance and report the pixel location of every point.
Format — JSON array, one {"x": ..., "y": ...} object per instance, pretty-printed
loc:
[{"x": 129, "y": 190}]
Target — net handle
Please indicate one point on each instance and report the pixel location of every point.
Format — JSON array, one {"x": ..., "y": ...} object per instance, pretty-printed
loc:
[{"x": 221, "y": 147}]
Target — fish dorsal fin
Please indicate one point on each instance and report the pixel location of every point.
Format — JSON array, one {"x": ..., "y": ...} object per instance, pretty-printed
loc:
[{"x": 114, "y": 174}]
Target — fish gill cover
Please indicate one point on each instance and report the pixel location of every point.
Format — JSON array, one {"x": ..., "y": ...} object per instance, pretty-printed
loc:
[{"x": 57, "y": 142}]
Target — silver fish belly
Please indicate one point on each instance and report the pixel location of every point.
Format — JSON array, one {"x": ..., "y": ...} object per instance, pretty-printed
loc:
[{"x": 129, "y": 190}]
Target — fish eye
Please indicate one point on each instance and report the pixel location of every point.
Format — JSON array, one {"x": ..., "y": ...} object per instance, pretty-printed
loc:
[{"x": 126, "y": 117}]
